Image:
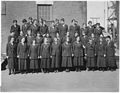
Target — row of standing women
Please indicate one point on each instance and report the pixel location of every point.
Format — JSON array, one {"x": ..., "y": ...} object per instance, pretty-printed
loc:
[{"x": 59, "y": 47}]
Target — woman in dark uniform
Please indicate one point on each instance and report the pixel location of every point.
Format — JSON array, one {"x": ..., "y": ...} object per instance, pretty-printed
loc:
[
  {"x": 11, "y": 55},
  {"x": 44, "y": 28},
  {"x": 29, "y": 37},
  {"x": 24, "y": 27},
  {"x": 34, "y": 28},
  {"x": 90, "y": 53},
  {"x": 72, "y": 28},
  {"x": 110, "y": 54},
  {"x": 22, "y": 54},
  {"x": 90, "y": 29},
  {"x": 33, "y": 55},
  {"x": 78, "y": 54},
  {"x": 15, "y": 28},
  {"x": 53, "y": 30},
  {"x": 67, "y": 54},
  {"x": 45, "y": 54},
  {"x": 39, "y": 39},
  {"x": 101, "y": 54},
  {"x": 20, "y": 37},
  {"x": 55, "y": 52}
]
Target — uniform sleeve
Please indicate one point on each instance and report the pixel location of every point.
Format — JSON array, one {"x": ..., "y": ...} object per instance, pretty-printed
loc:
[
  {"x": 11, "y": 29},
  {"x": 29, "y": 51},
  {"x": 73, "y": 48},
  {"x": 18, "y": 49},
  {"x": 7, "y": 50}
]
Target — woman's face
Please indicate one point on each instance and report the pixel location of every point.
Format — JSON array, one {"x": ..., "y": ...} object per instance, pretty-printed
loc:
[
  {"x": 76, "y": 34},
  {"x": 23, "y": 40},
  {"x": 38, "y": 34},
  {"x": 29, "y": 32},
  {"x": 55, "y": 39},
  {"x": 33, "y": 41},
  {"x": 12, "y": 40},
  {"x": 21, "y": 33},
  {"x": 78, "y": 38}
]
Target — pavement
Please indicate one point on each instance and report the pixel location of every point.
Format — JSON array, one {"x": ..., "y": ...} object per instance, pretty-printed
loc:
[{"x": 84, "y": 81}]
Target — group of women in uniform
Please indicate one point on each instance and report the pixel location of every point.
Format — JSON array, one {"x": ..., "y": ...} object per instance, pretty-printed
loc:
[{"x": 35, "y": 47}]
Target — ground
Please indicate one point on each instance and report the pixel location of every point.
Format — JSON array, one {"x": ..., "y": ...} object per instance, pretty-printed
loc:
[{"x": 63, "y": 81}]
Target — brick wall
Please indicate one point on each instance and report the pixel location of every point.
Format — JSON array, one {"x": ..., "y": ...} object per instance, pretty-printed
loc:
[
  {"x": 23, "y": 9},
  {"x": 15, "y": 10},
  {"x": 70, "y": 10}
]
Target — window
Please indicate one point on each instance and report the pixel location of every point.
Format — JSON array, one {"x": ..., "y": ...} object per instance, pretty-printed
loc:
[{"x": 44, "y": 11}]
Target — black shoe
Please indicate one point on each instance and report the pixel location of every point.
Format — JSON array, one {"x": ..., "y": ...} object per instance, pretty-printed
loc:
[{"x": 9, "y": 73}]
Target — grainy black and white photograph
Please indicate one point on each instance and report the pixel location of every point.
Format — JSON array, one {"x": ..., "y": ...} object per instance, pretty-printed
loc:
[{"x": 60, "y": 46}]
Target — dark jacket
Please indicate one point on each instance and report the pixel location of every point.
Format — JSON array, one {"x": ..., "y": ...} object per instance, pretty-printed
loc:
[
  {"x": 33, "y": 52},
  {"x": 39, "y": 40},
  {"x": 55, "y": 49},
  {"x": 77, "y": 49},
  {"x": 11, "y": 50},
  {"x": 53, "y": 31},
  {"x": 67, "y": 49},
  {"x": 110, "y": 49},
  {"x": 45, "y": 50},
  {"x": 97, "y": 32},
  {"x": 25, "y": 28},
  {"x": 72, "y": 30},
  {"x": 34, "y": 29},
  {"x": 100, "y": 49},
  {"x": 63, "y": 30},
  {"x": 43, "y": 29},
  {"x": 15, "y": 29},
  {"x": 90, "y": 50},
  {"x": 22, "y": 50},
  {"x": 90, "y": 31}
]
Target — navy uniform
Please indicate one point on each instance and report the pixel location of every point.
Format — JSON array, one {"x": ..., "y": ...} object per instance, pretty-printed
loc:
[
  {"x": 67, "y": 55},
  {"x": 34, "y": 29},
  {"x": 39, "y": 40},
  {"x": 90, "y": 52},
  {"x": 33, "y": 55},
  {"x": 24, "y": 29},
  {"x": 110, "y": 55},
  {"x": 78, "y": 54},
  {"x": 100, "y": 52},
  {"x": 63, "y": 28},
  {"x": 22, "y": 52},
  {"x": 89, "y": 31},
  {"x": 53, "y": 31},
  {"x": 45, "y": 53},
  {"x": 77, "y": 29},
  {"x": 56, "y": 55},
  {"x": 43, "y": 29},
  {"x": 83, "y": 30},
  {"x": 29, "y": 40},
  {"x": 72, "y": 30},
  {"x": 98, "y": 32},
  {"x": 64, "y": 39},
  {"x": 15, "y": 29},
  {"x": 11, "y": 52}
]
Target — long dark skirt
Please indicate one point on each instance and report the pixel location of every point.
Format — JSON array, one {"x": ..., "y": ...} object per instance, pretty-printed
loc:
[
  {"x": 101, "y": 62},
  {"x": 22, "y": 64},
  {"x": 45, "y": 63},
  {"x": 55, "y": 62},
  {"x": 78, "y": 61},
  {"x": 34, "y": 64},
  {"x": 111, "y": 62},
  {"x": 90, "y": 62},
  {"x": 11, "y": 63},
  {"x": 67, "y": 61}
]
